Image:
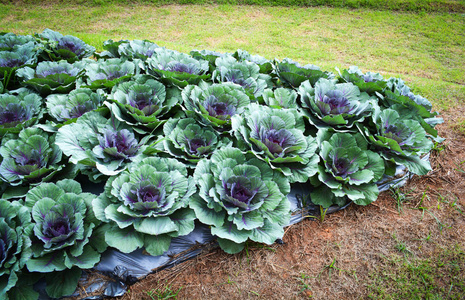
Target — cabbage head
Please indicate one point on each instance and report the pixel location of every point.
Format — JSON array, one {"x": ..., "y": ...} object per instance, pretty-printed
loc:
[
  {"x": 143, "y": 102},
  {"x": 15, "y": 245},
  {"x": 399, "y": 141},
  {"x": 292, "y": 74},
  {"x": 99, "y": 146},
  {"x": 30, "y": 158},
  {"x": 137, "y": 49},
  {"x": 334, "y": 105},
  {"x": 188, "y": 141},
  {"x": 178, "y": 69},
  {"x": 280, "y": 98},
  {"x": 107, "y": 73},
  {"x": 242, "y": 198},
  {"x": 146, "y": 206},
  {"x": 245, "y": 73},
  {"x": 58, "y": 47},
  {"x": 215, "y": 104},
  {"x": 19, "y": 111},
  {"x": 64, "y": 237},
  {"x": 69, "y": 107},
  {"x": 265, "y": 65},
  {"x": 348, "y": 169},
  {"x": 369, "y": 82},
  {"x": 10, "y": 61},
  {"x": 52, "y": 77},
  {"x": 10, "y": 41},
  {"x": 277, "y": 137}
]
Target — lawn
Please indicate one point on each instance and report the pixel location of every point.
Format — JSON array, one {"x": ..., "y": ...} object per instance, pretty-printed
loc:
[{"x": 410, "y": 243}]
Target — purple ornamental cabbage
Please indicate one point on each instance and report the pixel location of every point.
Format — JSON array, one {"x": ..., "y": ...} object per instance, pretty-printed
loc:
[{"x": 18, "y": 112}]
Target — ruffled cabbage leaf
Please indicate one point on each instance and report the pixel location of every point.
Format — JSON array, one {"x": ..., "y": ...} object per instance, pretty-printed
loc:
[
  {"x": 292, "y": 74},
  {"x": 19, "y": 111},
  {"x": 65, "y": 236},
  {"x": 15, "y": 247},
  {"x": 52, "y": 77},
  {"x": 106, "y": 74},
  {"x": 337, "y": 105},
  {"x": 178, "y": 69},
  {"x": 68, "y": 107},
  {"x": 143, "y": 101},
  {"x": 31, "y": 158},
  {"x": 348, "y": 170},
  {"x": 241, "y": 198},
  {"x": 146, "y": 206},
  {"x": 277, "y": 137},
  {"x": 215, "y": 104},
  {"x": 99, "y": 146}
]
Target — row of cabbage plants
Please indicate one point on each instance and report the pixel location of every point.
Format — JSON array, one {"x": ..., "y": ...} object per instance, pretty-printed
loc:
[{"x": 216, "y": 137}]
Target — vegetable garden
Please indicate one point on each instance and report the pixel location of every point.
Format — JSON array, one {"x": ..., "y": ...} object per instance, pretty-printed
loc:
[{"x": 172, "y": 141}]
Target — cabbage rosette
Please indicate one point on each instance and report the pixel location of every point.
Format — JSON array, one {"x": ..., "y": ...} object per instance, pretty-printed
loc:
[
  {"x": 369, "y": 82},
  {"x": 10, "y": 41},
  {"x": 276, "y": 136},
  {"x": 292, "y": 74},
  {"x": 215, "y": 104},
  {"x": 66, "y": 108},
  {"x": 280, "y": 98},
  {"x": 348, "y": 169},
  {"x": 186, "y": 140},
  {"x": 143, "y": 102},
  {"x": 146, "y": 206},
  {"x": 15, "y": 246},
  {"x": 242, "y": 198},
  {"x": 52, "y": 77},
  {"x": 137, "y": 49},
  {"x": 58, "y": 47},
  {"x": 399, "y": 141},
  {"x": 265, "y": 65},
  {"x": 64, "y": 236},
  {"x": 18, "y": 57},
  {"x": 178, "y": 69},
  {"x": 337, "y": 105},
  {"x": 30, "y": 158},
  {"x": 107, "y": 73},
  {"x": 244, "y": 73},
  {"x": 99, "y": 146},
  {"x": 19, "y": 111}
]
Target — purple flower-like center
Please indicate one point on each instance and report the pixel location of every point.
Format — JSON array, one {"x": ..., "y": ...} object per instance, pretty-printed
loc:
[
  {"x": 13, "y": 112},
  {"x": 58, "y": 228},
  {"x": 393, "y": 132},
  {"x": 240, "y": 193},
  {"x": 148, "y": 194},
  {"x": 195, "y": 144},
  {"x": 218, "y": 109},
  {"x": 122, "y": 140},
  {"x": 80, "y": 109},
  {"x": 338, "y": 104},
  {"x": 340, "y": 166},
  {"x": 71, "y": 46}
]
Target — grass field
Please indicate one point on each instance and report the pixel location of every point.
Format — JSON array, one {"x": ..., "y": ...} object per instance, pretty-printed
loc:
[{"x": 425, "y": 244}]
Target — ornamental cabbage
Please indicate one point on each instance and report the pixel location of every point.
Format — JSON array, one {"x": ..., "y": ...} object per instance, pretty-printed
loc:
[
  {"x": 207, "y": 55},
  {"x": 10, "y": 61},
  {"x": 9, "y": 41},
  {"x": 15, "y": 245},
  {"x": 399, "y": 141},
  {"x": 137, "y": 49},
  {"x": 177, "y": 69},
  {"x": 292, "y": 74},
  {"x": 348, "y": 170},
  {"x": 18, "y": 112},
  {"x": 73, "y": 105},
  {"x": 30, "y": 158},
  {"x": 69, "y": 48},
  {"x": 64, "y": 236},
  {"x": 107, "y": 73},
  {"x": 370, "y": 83},
  {"x": 143, "y": 101},
  {"x": 186, "y": 140},
  {"x": 334, "y": 105},
  {"x": 99, "y": 146},
  {"x": 215, "y": 104},
  {"x": 266, "y": 67},
  {"x": 245, "y": 73},
  {"x": 146, "y": 206},
  {"x": 52, "y": 77},
  {"x": 280, "y": 98},
  {"x": 242, "y": 198},
  {"x": 277, "y": 137}
]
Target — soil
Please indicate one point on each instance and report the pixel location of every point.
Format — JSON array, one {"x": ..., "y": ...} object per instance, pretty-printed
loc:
[{"x": 335, "y": 258}]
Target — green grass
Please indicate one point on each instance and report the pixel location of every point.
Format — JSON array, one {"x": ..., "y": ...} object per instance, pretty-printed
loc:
[
  {"x": 407, "y": 277},
  {"x": 397, "y": 5}
]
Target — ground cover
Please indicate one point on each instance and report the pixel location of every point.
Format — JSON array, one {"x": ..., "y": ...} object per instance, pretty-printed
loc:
[{"x": 348, "y": 254}]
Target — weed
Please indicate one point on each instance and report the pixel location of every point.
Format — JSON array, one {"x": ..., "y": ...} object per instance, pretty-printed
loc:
[
  {"x": 304, "y": 286},
  {"x": 165, "y": 293},
  {"x": 400, "y": 197}
]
